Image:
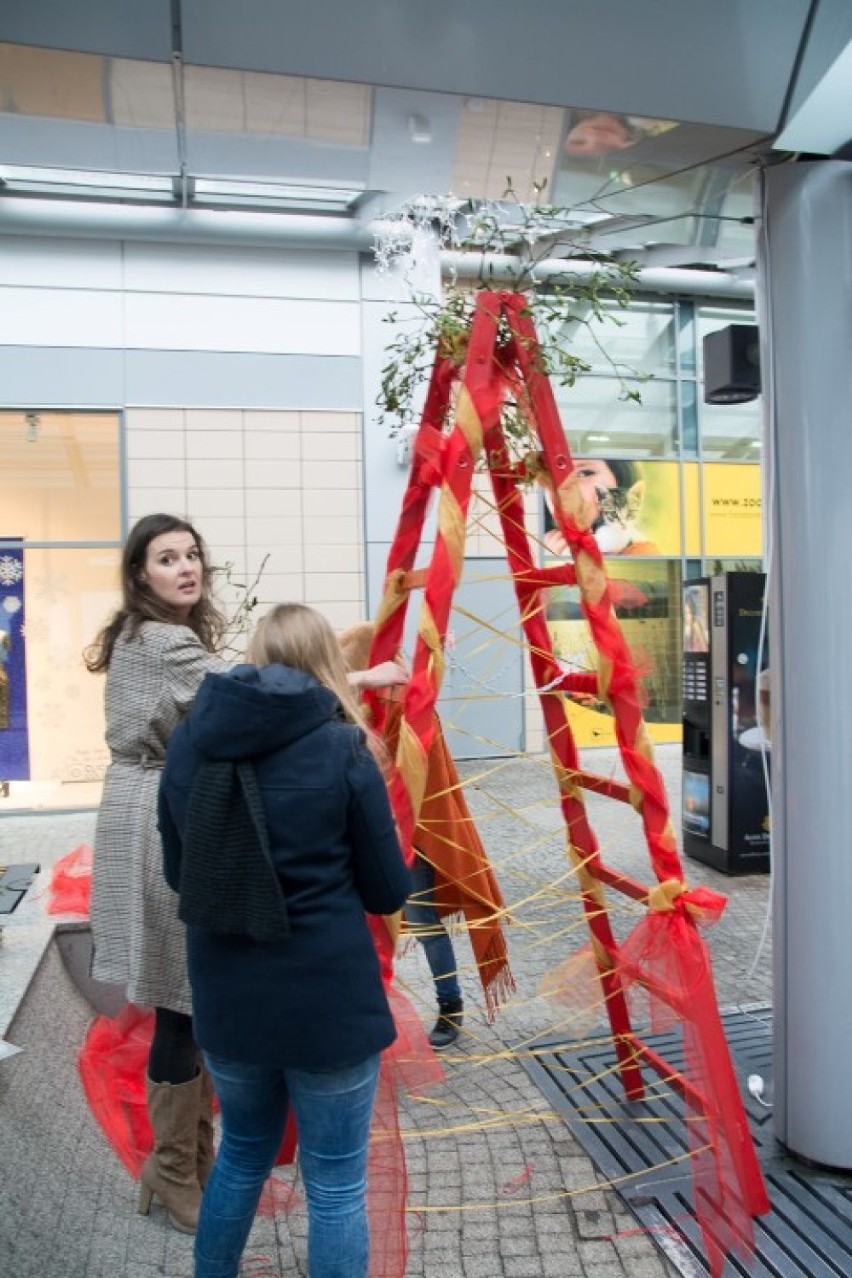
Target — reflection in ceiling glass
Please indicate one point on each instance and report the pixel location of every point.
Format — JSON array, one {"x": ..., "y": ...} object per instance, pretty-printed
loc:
[{"x": 632, "y": 183}]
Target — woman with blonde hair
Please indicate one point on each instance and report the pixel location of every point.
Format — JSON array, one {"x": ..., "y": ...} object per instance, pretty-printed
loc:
[{"x": 278, "y": 837}]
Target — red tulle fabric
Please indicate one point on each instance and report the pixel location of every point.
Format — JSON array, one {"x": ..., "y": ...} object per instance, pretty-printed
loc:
[
  {"x": 667, "y": 952},
  {"x": 71, "y": 883},
  {"x": 113, "y": 1064},
  {"x": 504, "y": 361}
]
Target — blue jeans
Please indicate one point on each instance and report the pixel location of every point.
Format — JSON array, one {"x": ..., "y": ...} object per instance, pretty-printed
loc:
[
  {"x": 426, "y": 924},
  {"x": 333, "y": 1111}
]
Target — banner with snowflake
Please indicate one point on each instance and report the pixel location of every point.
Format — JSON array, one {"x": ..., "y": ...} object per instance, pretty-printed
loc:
[{"x": 14, "y": 741}]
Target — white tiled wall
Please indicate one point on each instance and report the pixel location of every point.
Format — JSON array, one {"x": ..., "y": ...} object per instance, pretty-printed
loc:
[{"x": 275, "y": 493}]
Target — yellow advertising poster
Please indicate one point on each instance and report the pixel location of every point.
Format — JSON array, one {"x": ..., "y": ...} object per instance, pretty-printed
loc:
[
  {"x": 635, "y": 507},
  {"x": 733, "y": 512},
  {"x": 692, "y": 510},
  {"x": 648, "y": 609}
]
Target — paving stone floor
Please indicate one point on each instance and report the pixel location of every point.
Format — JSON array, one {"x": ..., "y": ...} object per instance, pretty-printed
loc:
[{"x": 497, "y": 1185}]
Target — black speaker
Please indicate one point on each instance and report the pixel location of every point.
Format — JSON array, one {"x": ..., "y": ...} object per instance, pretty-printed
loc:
[{"x": 732, "y": 365}]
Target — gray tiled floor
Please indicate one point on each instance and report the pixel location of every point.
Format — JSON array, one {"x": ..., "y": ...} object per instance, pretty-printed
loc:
[{"x": 497, "y": 1186}]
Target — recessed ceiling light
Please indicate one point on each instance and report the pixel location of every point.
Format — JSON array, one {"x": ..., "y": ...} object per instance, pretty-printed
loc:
[
  {"x": 23, "y": 179},
  {"x": 274, "y": 195}
]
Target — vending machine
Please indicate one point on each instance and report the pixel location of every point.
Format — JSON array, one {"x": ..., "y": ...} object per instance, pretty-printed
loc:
[{"x": 726, "y": 723}]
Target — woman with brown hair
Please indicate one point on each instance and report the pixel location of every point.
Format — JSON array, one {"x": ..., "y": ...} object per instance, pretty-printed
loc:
[{"x": 155, "y": 651}]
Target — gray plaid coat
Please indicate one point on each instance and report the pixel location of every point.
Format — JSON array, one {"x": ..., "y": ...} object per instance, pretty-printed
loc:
[{"x": 138, "y": 939}]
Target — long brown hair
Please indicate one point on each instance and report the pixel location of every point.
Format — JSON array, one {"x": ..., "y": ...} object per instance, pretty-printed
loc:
[
  {"x": 293, "y": 634},
  {"x": 138, "y": 601}
]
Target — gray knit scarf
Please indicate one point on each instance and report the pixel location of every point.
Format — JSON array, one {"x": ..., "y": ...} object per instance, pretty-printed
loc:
[{"x": 228, "y": 882}]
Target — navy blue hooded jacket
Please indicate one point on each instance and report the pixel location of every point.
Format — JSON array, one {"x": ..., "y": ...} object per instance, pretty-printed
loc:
[{"x": 313, "y": 1000}]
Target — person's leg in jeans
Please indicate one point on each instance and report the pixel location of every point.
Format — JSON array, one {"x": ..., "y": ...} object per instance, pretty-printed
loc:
[
  {"x": 333, "y": 1113},
  {"x": 253, "y": 1102},
  {"x": 426, "y": 925}
]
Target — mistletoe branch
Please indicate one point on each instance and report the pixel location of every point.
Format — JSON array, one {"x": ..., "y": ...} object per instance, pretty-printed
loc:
[{"x": 528, "y": 235}]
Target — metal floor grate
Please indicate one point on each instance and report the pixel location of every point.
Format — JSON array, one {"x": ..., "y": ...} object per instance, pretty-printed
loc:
[{"x": 808, "y": 1233}]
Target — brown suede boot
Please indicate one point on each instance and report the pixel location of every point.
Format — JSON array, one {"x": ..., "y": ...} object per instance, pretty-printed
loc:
[
  {"x": 206, "y": 1155},
  {"x": 170, "y": 1171}
]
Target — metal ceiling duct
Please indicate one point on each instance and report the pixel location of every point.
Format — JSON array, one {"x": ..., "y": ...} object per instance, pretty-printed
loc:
[
  {"x": 669, "y": 280},
  {"x": 89, "y": 220}
]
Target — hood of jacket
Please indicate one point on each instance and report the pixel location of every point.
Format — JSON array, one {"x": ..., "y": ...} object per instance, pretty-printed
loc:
[{"x": 254, "y": 710}]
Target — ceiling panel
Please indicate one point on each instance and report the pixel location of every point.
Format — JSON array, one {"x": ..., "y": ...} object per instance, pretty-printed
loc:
[
  {"x": 122, "y": 28},
  {"x": 650, "y": 129},
  {"x": 726, "y": 63}
]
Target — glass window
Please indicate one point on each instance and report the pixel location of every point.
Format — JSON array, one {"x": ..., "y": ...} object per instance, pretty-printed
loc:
[
  {"x": 686, "y": 336},
  {"x": 597, "y": 421},
  {"x": 60, "y": 476},
  {"x": 688, "y": 418},
  {"x": 731, "y": 432},
  {"x": 62, "y": 486},
  {"x": 715, "y": 567},
  {"x": 68, "y": 594},
  {"x": 640, "y": 339}
]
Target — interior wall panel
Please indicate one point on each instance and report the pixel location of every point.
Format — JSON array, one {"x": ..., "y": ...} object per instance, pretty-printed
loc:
[
  {"x": 53, "y": 317},
  {"x": 38, "y": 262},
  {"x": 64, "y": 377},
  {"x": 215, "y": 379},
  {"x": 261, "y": 324},
  {"x": 191, "y": 268}
]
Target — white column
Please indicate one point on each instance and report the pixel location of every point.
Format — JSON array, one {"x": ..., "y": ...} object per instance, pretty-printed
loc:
[{"x": 805, "y": 300}]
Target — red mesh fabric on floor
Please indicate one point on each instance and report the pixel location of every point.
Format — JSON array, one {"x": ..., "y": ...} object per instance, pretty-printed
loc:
[
  {"x": 71, "y": 883},
  {"x": 113, "y": 1063}
]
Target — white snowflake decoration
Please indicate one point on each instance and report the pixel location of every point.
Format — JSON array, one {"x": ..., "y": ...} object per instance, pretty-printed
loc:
[
  {"x": 11, "y": 571},
  {"x": 400, "y": 236}
]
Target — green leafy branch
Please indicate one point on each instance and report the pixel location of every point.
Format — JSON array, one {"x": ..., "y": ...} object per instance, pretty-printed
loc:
[
  {"x": 240, "y": 617},
  {"x": 523, "y": 236}
]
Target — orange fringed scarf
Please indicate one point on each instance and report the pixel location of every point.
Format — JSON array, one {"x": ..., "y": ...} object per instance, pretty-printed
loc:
[
  {"x": 465, "y": 885},
  {"x": 446, "y": 837}
]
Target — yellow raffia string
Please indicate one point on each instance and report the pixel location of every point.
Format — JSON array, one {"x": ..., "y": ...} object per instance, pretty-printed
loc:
[
  {"x": 412, "y": 761},
  {"x": 556, "y": 1195},
  {"x": 451, "y": 524},
  {"x": 394, "y": 597},
  {"x": 431, "y": 637},
  {"x": 662, "y": 896},
  {"x": 467, "y": 420},
  {"x": 538, "y": 933}
]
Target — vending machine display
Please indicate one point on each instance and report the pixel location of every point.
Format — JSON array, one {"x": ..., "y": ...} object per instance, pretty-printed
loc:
[{"x": 726, "y": 723}]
